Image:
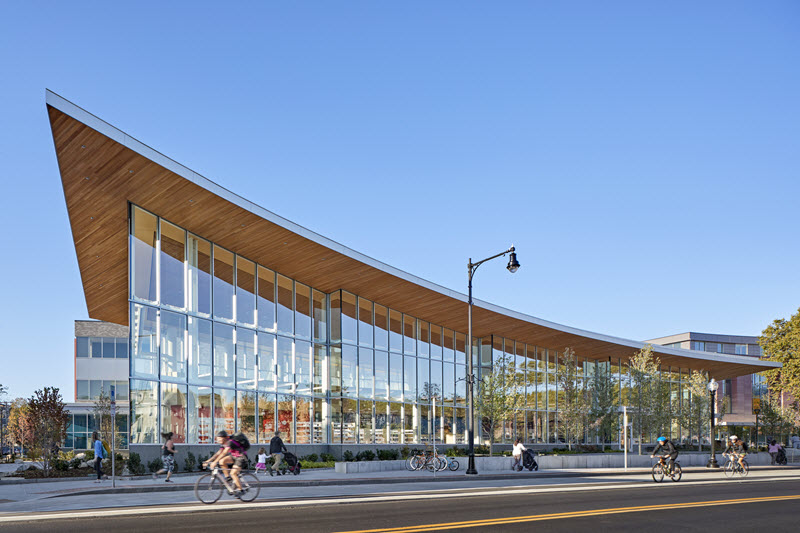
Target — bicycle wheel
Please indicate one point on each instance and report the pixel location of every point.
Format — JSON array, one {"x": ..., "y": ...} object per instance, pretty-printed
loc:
[
  {"x": 677, "y": 473},
  {"x": 453, "y": 465},
  {"x": 416, "y": 462},
  {"x": 250, "y": 487},
  {"x": 658, "y": 473},
  {"x": 208, "y": 488},
  {"x": 744, "y": 469},
  {"x": 440, "y": 463},
  {"x": 729, "y": 469}
]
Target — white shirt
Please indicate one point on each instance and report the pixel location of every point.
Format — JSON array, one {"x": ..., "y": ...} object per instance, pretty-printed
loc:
[
  {"x": 262, "y": 458},
  {"x": 518, "y": 449}
]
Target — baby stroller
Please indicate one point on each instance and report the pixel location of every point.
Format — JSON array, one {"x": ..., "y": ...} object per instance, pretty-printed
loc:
[
  {"x": 781, "y": 457},
  {"x": 529, "y": 460},
  {"x": 293, "y": 462}
]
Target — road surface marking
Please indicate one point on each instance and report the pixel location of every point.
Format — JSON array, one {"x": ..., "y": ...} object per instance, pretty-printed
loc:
[{"x": 573, "y": 514}]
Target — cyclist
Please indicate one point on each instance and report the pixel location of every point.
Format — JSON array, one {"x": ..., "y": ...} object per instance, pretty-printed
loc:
[
  {"x": 667, "y": 448},
  {"x": 736, "y": 449},
  {"x": 230, "y": 454}
]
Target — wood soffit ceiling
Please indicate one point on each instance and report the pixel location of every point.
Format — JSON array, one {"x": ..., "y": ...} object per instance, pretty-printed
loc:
[{"x": 100, "y": 176}]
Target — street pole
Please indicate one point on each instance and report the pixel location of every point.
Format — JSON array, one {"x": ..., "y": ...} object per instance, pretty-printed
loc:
[
  {"x": 113, "y": 435},
  {"x": 625, "y": 432},
  {"x": 512, "y": 267},
  {"x": 712, "y": 461}
]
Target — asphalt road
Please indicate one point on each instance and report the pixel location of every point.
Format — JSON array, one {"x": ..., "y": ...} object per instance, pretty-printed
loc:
[{"x": 770, "y": 504}]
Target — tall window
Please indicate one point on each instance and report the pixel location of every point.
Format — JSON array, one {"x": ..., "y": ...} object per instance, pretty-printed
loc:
[
  {"x": 266, "y": 299},
  {"x": 173, "y": 244},
  {"x": 223, "y": 283},
  {"x": 199, "y": 275},
  {"x": 143, "y": 250},
  {"x": 245, "y": 291}
]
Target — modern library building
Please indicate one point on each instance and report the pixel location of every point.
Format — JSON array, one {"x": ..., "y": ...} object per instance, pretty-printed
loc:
[{"x": 244, "y": 321}]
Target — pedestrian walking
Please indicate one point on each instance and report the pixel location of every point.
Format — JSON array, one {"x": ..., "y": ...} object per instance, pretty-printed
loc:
[
  {"x": 99, "y": 455},
  {"x": 167, "y": 457},
  {"x": 277, "y": 449},
  {"x": 261, "y": 464},
  {"x": 774, "y": 449},
  {"x": 517, "y": 453}
]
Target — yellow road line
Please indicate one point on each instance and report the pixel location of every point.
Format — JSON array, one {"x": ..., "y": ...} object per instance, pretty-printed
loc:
[{"x": 572, "y": 514}]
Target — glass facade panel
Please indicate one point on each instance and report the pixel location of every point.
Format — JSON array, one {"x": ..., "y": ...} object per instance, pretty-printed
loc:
[
  {"x": 109, "y": 348},
  {"x": 365, "y": 323},
  {"x": 302, "y": 314},
  {"x": 319, "y": 428},
  {"x": 173, "y": 411},
  {"x": 395, "y": 377},
  {"x": 82, "y": 347},
  {"x": 265, "y": 302},
  {"x": 302, "y": 422},
  {"x": 461, "y": 348},
  {"x": 424, "y": 380},
  {"x": 302, "y": 367},
  {"x": 245, "y": 291},
  {"x": 223, "y": 283},
  {"x": 321, "y": 378},
  {"x": 395, "y": 331},
  {"x": 436, "y": 342},
  {"x": 366, "y": 373},
  {"x": 171, "y": 267},
  {"x": 336, "y": 370},
  {"x": 224, "y": 369},
  {"x": 144, "y": 335},
  {"x": 348, "y": 318},
  {"x": 198, "y": 258},
  {"x": 200, "y": 351},
  {"x": 286, "y": 418},
  {"x": 320, "y": 315},
  {"x": 266, "y": 416},
  {"x": 365, "y": 423},
  {"x": 173, "y": 347},
  {"x": 381, "y": 422},
  {"x": 448, "y": 383},
  {"x": 143, "y": 242},
  {"x": 349, "y": 370},
  {"x": 410, "y": 424},
  {"x": 285, "y": 367},
  {"x": 395, "y": 423},
  {"x": 409, "y": 379},
  {"x": 199, "y": 416},
  {"x": 448, "y": 345},
  {"x": 381, "y": 327},
  {"x": 285, "y": 305},
  {"x": 381, "y": 375},
  {"x": 246, "y": 414},
  {"x": 245, "y": 359},
  {"x": 409, "y": 335},
  {"x": 224, "y": 410},
  {"x": 144, "y": 412},
  {"x": 423, "y": 338},
  {"x": 266, "y": 361}
]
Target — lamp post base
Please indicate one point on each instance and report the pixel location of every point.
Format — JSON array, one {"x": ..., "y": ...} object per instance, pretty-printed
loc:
[
  {"x": 471, "y": 471},
  {"x": 712, "y": 463}
]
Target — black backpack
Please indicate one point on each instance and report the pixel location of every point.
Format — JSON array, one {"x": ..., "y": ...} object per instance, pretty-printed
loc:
[
  {"x": 745, "y": 447},
  {"x": 241, "y": 440}
]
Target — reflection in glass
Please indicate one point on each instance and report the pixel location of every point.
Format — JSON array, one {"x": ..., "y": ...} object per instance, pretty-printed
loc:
[
  {"x": 448, "y": 345},
  {"x": 144, "y": 337},
  {"x": 410, "y": 424},
  {"x": 365, "y": 327},
  {"x": 302, "y": 313},
  {"x": 381, "y": 375},
  {"x": 423, "y": 338},
  {"x": 409, "y": 379},
  {"x": 199, "y": 275},
  {"x": 224, "y": 369},
  {"x": 395, "y": 331},
  {"x": 285, "y": 305},
  {"x": 302, "y": 367},
  {"x": 320, "y": 369},
  {"x": 245, "y": 291},
  {"x": 200, "y": 352},
  {"x": 365, "y": 423},
  {"x": 224, "y": 410},
  {"x": 349, "y": 323},
  {"x": 266, "y": 299},
  {"x": 381, "y": 327},
  {"x": 173, "y": 351},
  {"x": 436, "y": 342},
  {"x": 320, "y": 316},
  {"x": 335, "y": 363},
  {"x": 302, "y": 420},
  {"x": 381, "y": 422},
  {"x": 245, "y": 359},
  {"x": 286, "y": 418},
  {"x": 173, "y": 411},
  {"x": 319, "y": 429},
  {"x": 284, "y": 363},
  {"x": 349, "y": 370},
  {"x": 144, "y": 412},
  {"x": 143, "y": 250},
  {"x": 172, "y": 259},
  {"x": 395, "y": 377},
  {"x": 365, "y": 373},
  {"x": 199, "y": 416},
  {"x": 395, "y": 423},
  {"x": 223, "y": 283},
  {"x": 409, "y": 335},
  {"x": 266, "y": 416},
  {"x": 246, "y": 414},
  {"x": 266, "y": 361}
]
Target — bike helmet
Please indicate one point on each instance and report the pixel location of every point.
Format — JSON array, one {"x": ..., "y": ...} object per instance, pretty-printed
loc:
[
  {"x": 662, "y": 439},
  {"x": 222, "y": 433},
  {"x": 734, "y": 437}
]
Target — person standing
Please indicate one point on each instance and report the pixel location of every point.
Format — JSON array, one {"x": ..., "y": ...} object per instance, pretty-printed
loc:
[
  {"x": 99, "y": 454},
  {"x": 774, "y": 448},
  {"x": 167, "y": 456},
  {"x": 517, "y": 453},
  {"x": 277, "y": 449}
]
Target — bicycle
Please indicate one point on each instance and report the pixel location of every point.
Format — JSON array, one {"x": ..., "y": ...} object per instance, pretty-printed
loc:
[
  {"x": 428, "y": 461},
  {"x": 452, "y": 464},
  {"x": 208, "y": 487},
  {"x": 732, "y": 467},
  {"x": 661, "y": 469}
]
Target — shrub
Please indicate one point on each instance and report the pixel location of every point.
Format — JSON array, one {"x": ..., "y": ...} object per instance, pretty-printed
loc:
[
  {"x": 89, "y": 456},
  {"x": 388, "y": 455},
  {"x": 190, "y": 462},
  {"x": 405, "y": 452},
  {"x": 135, "y": 465},
  {"x": 481, "y": 449},
  {"x": 348, "y": 456},
  {"x": 74, "y": 463},
  {"x": 59, "y": 464},
  {"x": 155, "y": 465},
  {"x": 311, "y": 458},
  {"x": 365, "y": 455},
  {"x": 328, "y": 458}
]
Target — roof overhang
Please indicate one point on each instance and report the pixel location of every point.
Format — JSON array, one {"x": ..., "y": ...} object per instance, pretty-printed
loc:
[{"x": 103, "y": 170}]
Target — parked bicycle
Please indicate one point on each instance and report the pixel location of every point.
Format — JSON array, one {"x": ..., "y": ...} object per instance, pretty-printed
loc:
[
  {"x": 452, "y": 464},
  {"x": 209, "y": 487},
  {"x": 661, "y": 469},
  {"x": 733, "y": 468},
  {"x": 428, "y": 461}
]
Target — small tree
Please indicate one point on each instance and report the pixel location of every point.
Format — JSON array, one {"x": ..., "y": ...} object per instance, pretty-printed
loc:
[
  {"x": 573, "y": 398},
  {"x": 603, "y": 415},
  {"x": 649, "y": 394},
  {"x": 498, "y": 397},
  {"x": 20, "y": 429},
  {"x": 694, "y": 412},
  {"x": 102, "y": 414},
  {"x": 780, "y": 342},
  {"x": 49, "y": 419}
]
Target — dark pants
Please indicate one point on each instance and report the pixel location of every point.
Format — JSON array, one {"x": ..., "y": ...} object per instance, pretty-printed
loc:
[
  {"x": 97, "y": 466},
  {"x": 672, "y": 458}
]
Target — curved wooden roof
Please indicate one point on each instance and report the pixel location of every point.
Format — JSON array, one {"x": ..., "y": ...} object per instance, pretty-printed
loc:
[{"x": 103, "y": 169}]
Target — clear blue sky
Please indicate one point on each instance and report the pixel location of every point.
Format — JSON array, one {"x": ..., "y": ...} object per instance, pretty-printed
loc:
[{"x": 642, "y": 156}]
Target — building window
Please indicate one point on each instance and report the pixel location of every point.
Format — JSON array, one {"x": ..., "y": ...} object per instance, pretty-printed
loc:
[
  {"x": 741, "y": 349},
  {"x": 699, "y": 346},
  {"x": 82, "y": 347}
]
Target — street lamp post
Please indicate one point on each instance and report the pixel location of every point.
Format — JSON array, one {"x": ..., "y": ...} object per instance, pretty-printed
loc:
[
  {"x": 513, "y": 266},
  {"x": 713, "y": 385}
]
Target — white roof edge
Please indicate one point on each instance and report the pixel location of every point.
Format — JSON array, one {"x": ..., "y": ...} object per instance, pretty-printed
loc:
[{"x": 83, "y": 116}]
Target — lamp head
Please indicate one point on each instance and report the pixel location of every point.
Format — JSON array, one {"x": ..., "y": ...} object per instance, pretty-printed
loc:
[
  {"x": 713, "y": 385},
  {"x": 513, "y": 264}
]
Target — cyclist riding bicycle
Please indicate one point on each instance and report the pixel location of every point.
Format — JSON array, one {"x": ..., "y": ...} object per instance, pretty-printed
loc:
[
  {"x": 736, "y": 449},
  {"x": 230, "y": 454},
  {"x": 666, "y": 447}
]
